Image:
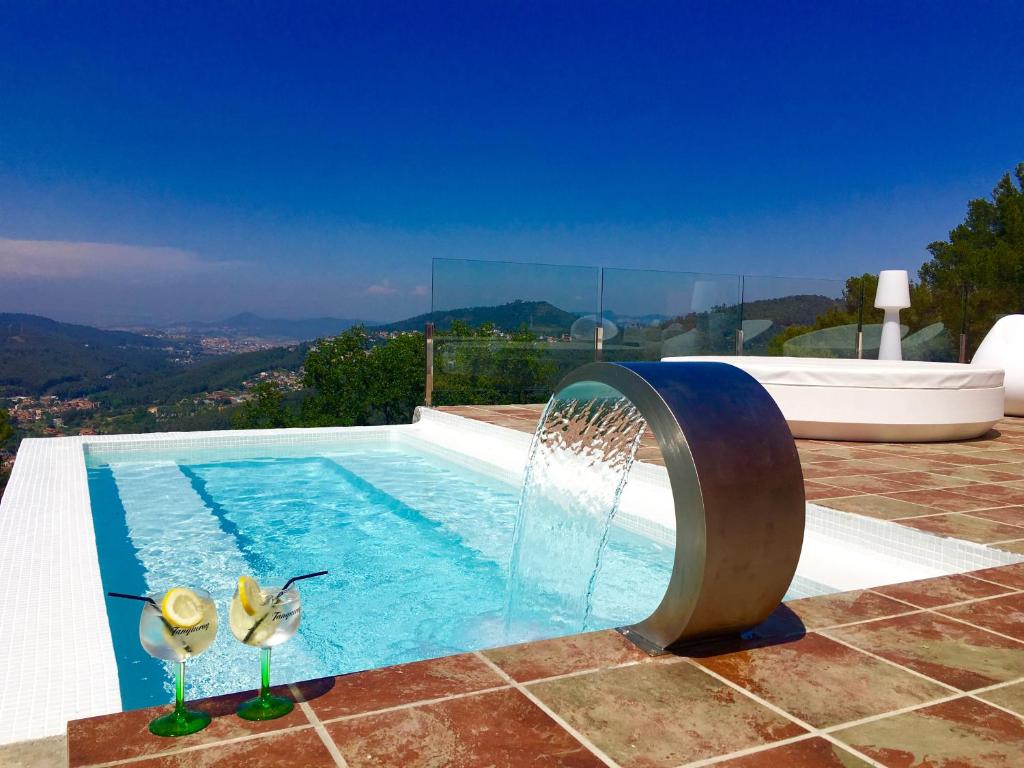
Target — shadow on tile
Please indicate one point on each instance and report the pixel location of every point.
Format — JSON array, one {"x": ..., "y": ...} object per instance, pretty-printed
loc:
[
  {"x": 314, "y": 689},
  {"x": 782, "y": 626}
]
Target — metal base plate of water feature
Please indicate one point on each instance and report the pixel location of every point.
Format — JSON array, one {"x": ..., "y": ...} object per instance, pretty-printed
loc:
[{"x": 737, "y": 489}]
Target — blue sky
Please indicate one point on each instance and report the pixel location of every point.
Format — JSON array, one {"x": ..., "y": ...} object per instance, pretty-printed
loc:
[{"x": 160, "y": 161}]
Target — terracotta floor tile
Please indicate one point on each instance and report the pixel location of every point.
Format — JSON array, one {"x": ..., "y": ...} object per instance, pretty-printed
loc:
[
  {"x": 955, "y": 734},
  {"x": 843, "y": 608},
  {"x": 814, "y": 491},
  {"x": 945, "y": 499},
  {"x": 403, "y": 684},
  {"x": 1011, "y": 697},
  {"x": 965, "y": 527},
  {"x": 561, "y": 655},
  {"x": 1004, "y": 494},
  {"x": 945, "y": 650},
  {"x": 930, "y": 593},
  {"x": 661, "y": 715},
  {"x": 501, "y": 729},
  {"x": 919, "y": 464},
  {"x": 1010, "y": 575},
  {"x": 125, "y": 735},
  {"x": 847, "y": 467},
  {"x": 881, "y": 507},
  {"x": 809, "y": 753},
  {"x": 962, "y": 458},
  {"x": 1016, "y": 469},
  {"x": 921, "y": 480},
  {"x": 1009, "y": 515},
  {"x": 1000, "y": 614},
  {"x": 817, "y": 453},
  {"x": 868, "y": 483},
  {"x": 855, "y": 453},
  {"x": 814, "y": 472},
  {"x": 823, "y": 682},
  {"x": 1003, "y": 454},
  {"x": 285, "y": 750},
  {"x": 981, "y": 474}
]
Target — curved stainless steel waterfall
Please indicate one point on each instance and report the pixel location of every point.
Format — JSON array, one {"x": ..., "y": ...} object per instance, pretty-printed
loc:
[{"x": 737, "y": 489}]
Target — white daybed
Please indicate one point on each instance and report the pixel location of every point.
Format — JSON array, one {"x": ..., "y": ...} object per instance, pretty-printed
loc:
[
  {"x": 1003, "y": 347},
  {"x": 877, "y": 400}
]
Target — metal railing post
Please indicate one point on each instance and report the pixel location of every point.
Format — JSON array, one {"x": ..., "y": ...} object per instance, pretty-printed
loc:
[
  {"x": 599, "y": 341},
  {"x": 860, "y": 323},
  {"x": 963, "y": 327},
  {"x": 739, "y": 327},
  {"x": 428, "y": 391}
]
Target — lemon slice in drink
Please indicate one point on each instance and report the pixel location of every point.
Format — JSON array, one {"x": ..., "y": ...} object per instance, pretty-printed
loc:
[
  {"x": 182, "y": 607},
  {"x": 250, "y": 595}
]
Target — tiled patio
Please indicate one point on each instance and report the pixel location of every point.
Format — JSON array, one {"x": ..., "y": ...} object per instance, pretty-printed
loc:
[
  {"x": 971, "y": 490},
  {"x": 927, "y": 673}
]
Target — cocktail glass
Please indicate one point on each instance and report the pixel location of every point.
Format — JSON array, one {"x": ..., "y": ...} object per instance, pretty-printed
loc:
[
  {"x": 271, "y": 623},
  {"x": 163, "y": 640}
]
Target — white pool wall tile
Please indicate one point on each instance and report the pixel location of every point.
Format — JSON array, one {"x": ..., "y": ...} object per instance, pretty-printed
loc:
[{"x": 56, "y": 657}]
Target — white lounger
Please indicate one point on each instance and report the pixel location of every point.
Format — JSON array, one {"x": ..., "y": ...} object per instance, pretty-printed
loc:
[
  {"x": 1003, "y": 347},
  {"x": 877, "y": 400}
]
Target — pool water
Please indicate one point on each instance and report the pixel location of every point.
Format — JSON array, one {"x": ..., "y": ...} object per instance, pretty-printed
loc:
[{"x": 417, "y": 549}]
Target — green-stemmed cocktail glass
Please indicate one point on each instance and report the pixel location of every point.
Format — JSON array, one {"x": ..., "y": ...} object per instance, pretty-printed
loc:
[
  {"x": 265, "y": 617},
  {"x": 181, "y": 626},
  {"x": 270, "y": 617}
]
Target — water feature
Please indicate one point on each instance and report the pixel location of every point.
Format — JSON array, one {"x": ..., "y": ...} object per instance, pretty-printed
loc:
[{"x": 579, "y": 461}]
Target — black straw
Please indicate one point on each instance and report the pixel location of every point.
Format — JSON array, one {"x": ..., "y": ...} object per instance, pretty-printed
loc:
[
  {"x": 149, "y": 600},
  {"x": 293, "y": 579}
]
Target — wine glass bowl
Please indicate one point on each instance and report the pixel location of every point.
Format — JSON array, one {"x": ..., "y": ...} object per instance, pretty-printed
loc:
[
  {"x": 272, "y": 623},
  {"x": 162, "y": 640}
]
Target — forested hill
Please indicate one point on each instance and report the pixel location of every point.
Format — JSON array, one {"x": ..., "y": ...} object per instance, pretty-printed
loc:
[
  {"x": 42, "y": 356},
  {"x": 790, "y": 310},
  {"x": 39, "y": 356},
  {"x": 540, "y": 317}
]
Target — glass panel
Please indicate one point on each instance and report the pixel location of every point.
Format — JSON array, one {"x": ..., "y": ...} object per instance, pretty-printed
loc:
[
  {"x": 803, "y": 317},
  {"x": 650, "y": 315},
  {"x": 507, "y": 332}
]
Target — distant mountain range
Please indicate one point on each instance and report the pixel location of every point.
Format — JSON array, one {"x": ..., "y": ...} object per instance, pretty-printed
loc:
[
  {"x": 249, "y": 324},
  {"x": 43, "y": 356},
  {"x": 540, "y": 317},
  {"x": 40, "y": 355}
]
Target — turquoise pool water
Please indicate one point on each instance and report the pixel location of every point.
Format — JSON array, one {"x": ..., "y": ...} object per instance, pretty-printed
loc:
[{"x": 417, "y": 550}]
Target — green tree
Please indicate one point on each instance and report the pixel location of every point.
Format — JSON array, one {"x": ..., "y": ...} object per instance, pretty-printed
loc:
[
  {"x": 396, "y": 375},
  {"x": 264, "y": 410},
  {"x": 983, "y": 256},
  {"x": 353, "y": 382},
  {"x": 336, "y": 373},
  {"x": 479, "y": 365},
  {"x": 6, "y": 429}
]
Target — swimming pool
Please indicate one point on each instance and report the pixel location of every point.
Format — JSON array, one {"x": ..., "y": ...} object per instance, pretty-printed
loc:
[
  {"x": 72, "y": 654},
  {"x": 417, "y": 548}
]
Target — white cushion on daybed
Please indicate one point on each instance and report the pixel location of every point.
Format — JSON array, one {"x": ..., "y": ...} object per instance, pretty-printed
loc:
[{"x": 877, "y": 400}]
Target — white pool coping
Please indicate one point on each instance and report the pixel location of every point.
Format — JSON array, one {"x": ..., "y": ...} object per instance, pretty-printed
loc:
[{"x": 56, "y": 656}]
